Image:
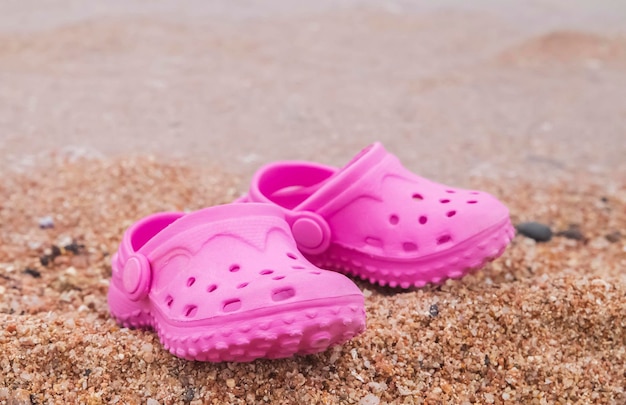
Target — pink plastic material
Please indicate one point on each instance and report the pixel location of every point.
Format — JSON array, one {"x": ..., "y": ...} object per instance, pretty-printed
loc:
[
  {"x": 377, "y": 220},
  {"x": 228, "y": 283}
]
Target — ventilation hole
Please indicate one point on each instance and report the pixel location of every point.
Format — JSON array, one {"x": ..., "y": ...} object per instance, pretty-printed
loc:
[
  {"x": 370, "y": 240},
  {"x": 292, "y": 256},
  {"x": 298, "y": 267},
  {"x": 417, "y": 196},
  {"x": 266, "y": 272},
  {"x": 283, "y": 294},
  {"x": 444, "y": 201},
  {"x": 242, "y": 285},
  {"x": 409, "y": 247},
  {"x": 474, "y": 193},
  {"x": 190, "y": 281},
  {"x": 472, "y": 202},
  {"x": 191, "y": 310},
  {"x": 393, "y": 220},
  {"x": 211, "y": 288},
  {"x": 278, "y": 278},
  {"x": 169, "y": 301},
  {"x": 450, "y": 191},
  {"x": 444, "y": 239},
  {"x": 317, "y": 273},
  {"x": 232, "y": 305},
  {"x": 423, "y": 219},
  {"x": 234, "y": 268},
  {"x": 450, "y": 214}
]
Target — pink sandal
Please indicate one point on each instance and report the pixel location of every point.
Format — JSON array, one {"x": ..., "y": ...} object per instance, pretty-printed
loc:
[
  {"x": 227, "y": 283},
  {"x": 377, "y": 220}
]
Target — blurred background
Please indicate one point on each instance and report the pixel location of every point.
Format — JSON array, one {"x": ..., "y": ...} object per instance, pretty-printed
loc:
[{"x": 532, "y": 89}]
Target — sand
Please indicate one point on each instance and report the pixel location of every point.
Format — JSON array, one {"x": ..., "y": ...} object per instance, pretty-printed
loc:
[{"x": 112, "y": 111}]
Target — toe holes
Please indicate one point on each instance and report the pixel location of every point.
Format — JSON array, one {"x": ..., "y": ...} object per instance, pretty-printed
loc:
[
  {"x": 169, "y": 301},
  {"x": 317, "y": 273},
  {"x": 266, "y": 272},
  {"x": 393, "y": 220},
  {"x": 409, "y": 247},
  {"x": 278, "y": 278},
  {"x": 211, "y": 288},
  {"x": 298, "y": 267},
  {"x": 417, "y": 197},
  {"x": 450, "y": 191},
  {"x": 234, "y": 268},
  {"x": 474, "y": 193},
  {"x": 423, "y": 219},
  {"x": 191, "y": 281},
  {"x": 444, "y": 201},
  {"x": 292, "y": 256},
  {"x": 283, "y": 294},
  {"x": 191, "y": 310},
  {"x": 450, "y": 214},
  {"x": 444, "y": 239},
  {"x": 232, "y": 305},
  {"x": 472, "y": 202},
  {"x": 242, "y": 285}
]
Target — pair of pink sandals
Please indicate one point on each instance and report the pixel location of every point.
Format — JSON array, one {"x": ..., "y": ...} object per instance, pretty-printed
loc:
[{"x": 244, "y": 281}]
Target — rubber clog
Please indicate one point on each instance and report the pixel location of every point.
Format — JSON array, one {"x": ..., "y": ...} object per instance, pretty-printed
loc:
[
  {"x": 227, "y": 283},
  {"x": 377, "y": 220}
]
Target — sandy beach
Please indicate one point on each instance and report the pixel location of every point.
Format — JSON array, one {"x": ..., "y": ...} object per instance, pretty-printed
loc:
[{"x": 110, "y": 112}]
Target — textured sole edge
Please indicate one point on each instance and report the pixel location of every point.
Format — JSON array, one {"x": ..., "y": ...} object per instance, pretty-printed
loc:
[
  {"x": 465, "y": 258},
  {"x": 292, "y": 331}
]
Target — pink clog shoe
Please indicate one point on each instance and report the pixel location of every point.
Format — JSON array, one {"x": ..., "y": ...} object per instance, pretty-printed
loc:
[
  {"x": 227, "y": 283},
  {"x": 377, "y": 220}
]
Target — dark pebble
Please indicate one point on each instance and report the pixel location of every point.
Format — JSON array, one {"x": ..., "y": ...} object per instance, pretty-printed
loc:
[
  {"x": 573, "y": 232},
  {"x": 44, "y": 260},
  {"x": 32, "y": 272},
  {"x": 56, "y": 251},
  {"x": 74, "y": 248},
  {"x": 433, "y": 310},
  {"x": 190, "y": 394},
  {"x": 613, "y": 237},
  {"x": 535, "y": 230}
]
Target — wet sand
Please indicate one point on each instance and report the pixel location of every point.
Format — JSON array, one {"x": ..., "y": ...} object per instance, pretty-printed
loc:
[
  {"x": 525, "y": 101},
  {"x": 487, "y": 90}
]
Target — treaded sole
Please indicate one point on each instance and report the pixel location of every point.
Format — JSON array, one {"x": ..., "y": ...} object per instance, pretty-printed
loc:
[
  {"x": 454, "y": 263},
  {"x": 291, "y": 332}
]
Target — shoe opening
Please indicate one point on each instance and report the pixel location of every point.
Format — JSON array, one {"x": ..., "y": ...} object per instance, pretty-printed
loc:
[
  {"x": 288, "y": 185},
  {"x": 151, "y": 226}
]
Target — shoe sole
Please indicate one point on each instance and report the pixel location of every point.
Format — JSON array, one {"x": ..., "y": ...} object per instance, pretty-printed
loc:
[
  {"x": 273, "y": 333},
  {"x": 453, "y": 263}
]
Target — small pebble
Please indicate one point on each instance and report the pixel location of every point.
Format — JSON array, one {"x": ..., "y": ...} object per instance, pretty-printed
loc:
[
  {"x": 46, "y": 222},
  {"x": 45, "y": 260},
  {"x": 190, "y": 393},
  {"x": 32, "y": 272},
  {"x": 433, "y": 310},
  {"x": 535, "y": 230},
  {"x": 230, "y": 383},
  {"x": 573, "y": 232},
  {"x": 370, "y": 399},
  {"x": 613, "y": 237}
]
